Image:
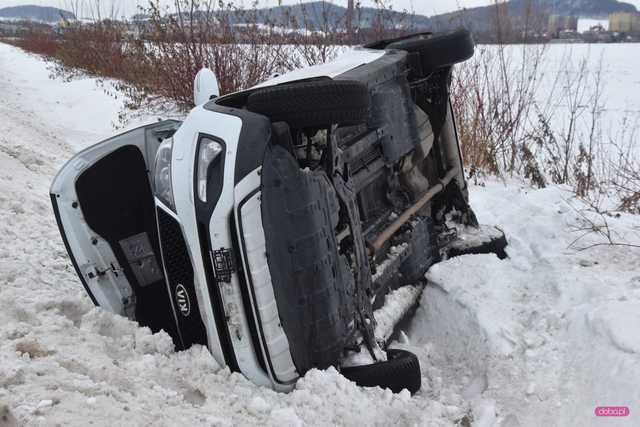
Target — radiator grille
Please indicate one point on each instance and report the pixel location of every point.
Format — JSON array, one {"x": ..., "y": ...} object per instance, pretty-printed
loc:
[{"x": 180, "y": 280}]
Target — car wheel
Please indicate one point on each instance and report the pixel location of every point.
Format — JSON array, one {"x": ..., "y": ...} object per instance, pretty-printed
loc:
[
  {"x": 401, "y": 370},
  {"x": 313, "y": 104},
  {"x": 438, "y": 50}
]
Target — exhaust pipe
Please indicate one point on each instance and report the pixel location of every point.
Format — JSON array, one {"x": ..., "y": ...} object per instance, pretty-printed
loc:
[{"x": 407, "y": 215}]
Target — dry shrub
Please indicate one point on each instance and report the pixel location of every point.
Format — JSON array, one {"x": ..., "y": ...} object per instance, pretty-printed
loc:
[
  {"x": 508, "y": 126},
  {"x": 624, "y": 173},
  {"x": 492, "y": 97},
  {"x": 178, "y": 46},
  {"x": 205, "y": 33},
  {"x": 98, "y": 49},
  {"x": 37, "y": 40}
]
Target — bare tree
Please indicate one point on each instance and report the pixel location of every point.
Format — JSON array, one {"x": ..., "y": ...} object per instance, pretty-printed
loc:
[{"x": 96, "y": 10}]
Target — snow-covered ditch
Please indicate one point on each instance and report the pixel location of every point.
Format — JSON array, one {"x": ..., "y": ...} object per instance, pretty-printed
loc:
[{"x": 540, "y": 338}]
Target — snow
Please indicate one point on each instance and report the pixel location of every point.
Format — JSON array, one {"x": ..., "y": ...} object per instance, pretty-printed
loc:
[
  {"x": 396, "y": 305},
  {"x": 392, "y": 256},
  {"x": 619, "y": 62},
  {"x": 548, "y": 334},
  {"x": 585, "y": 24},
  {"x": 542, "y": 337}
]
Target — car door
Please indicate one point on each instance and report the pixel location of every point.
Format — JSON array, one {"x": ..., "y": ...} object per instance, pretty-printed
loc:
[{"x": 104, "y": 206}]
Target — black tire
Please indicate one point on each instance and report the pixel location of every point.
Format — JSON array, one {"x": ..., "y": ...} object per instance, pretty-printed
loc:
[
  {"x": 315, "y": 284},
  {"x": 438, "y": 50},
  {"x": 313, "y": 104},
  {"x": 400, "y": 371}
]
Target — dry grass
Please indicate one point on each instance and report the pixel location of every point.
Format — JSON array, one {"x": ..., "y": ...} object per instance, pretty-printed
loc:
[{"x": 38, "y": 41}]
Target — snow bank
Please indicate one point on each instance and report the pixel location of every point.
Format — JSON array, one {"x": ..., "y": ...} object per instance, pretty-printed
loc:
[
  {"x": 550, "y": 333},
  {"x": 396, "y": 305}
]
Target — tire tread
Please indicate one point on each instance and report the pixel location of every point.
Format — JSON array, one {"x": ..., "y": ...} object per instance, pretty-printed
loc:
[{"x": 313, "y": 104}]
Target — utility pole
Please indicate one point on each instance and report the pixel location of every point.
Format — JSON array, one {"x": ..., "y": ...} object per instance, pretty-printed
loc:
[{"x": 350, "y": 20}]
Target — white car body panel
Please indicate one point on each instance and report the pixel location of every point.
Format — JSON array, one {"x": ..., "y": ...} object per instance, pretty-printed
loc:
[
  {"x": 182, "y": 170},
  {"x": 349, "y": 60}
]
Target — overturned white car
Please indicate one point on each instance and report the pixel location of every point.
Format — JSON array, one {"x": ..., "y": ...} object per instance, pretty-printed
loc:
[{"x": 272, "y": 223}]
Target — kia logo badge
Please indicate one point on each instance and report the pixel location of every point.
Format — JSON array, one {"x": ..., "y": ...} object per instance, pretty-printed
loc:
[{"x": 182, "y": 298}]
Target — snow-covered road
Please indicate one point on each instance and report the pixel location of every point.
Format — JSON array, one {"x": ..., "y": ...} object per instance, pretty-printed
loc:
[{"x": 541, "y": 338}]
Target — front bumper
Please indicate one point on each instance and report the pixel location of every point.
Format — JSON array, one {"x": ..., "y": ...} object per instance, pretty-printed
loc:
[{"x": 225, "y": 245}]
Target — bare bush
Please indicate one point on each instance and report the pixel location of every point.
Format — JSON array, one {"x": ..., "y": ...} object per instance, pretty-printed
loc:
[
  {"x": 98, "y": 49},
  {"x": 38, "y": 40},
  {"x": 202, "y": 34},
  {"x": 510, "y": 125},
  {"x": 493, "y": 96},
  {"x": 593, "y": 230},
  {"x": 623, "y": 169}
]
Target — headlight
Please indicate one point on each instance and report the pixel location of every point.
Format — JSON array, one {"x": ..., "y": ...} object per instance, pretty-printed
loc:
[
  {"x": 162, "y": 174},
  {"x": 208, "y": 151}
]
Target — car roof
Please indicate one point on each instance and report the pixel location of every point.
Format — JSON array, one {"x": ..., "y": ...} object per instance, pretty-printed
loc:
[{"x": 350, "y": 59}]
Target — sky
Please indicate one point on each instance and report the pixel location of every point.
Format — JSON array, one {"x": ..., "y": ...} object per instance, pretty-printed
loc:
[{"x": 423, "y": 7}]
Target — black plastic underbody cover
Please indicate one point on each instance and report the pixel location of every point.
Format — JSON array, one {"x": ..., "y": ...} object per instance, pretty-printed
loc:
[
  {"x": 392, "y": 107},
  {"x": 313, "y": 285}
]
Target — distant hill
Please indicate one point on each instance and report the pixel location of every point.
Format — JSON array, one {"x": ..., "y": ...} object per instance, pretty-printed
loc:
[
  {"x": 585, "y": 8},
  {"x": 314, "y": 14},
  {"x": 35, "y": 13}
]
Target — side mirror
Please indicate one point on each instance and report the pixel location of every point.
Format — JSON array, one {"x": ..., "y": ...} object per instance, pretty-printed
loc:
[{"x": 205, "y": 87}]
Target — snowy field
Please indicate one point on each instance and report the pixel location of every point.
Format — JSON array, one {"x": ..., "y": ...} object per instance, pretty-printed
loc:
[
  {"x": 598, "y": 83},
  {"x": 541, "y": 338},
  {"x": 619, "y": 63},
  {"x": 620, "y": 86}
]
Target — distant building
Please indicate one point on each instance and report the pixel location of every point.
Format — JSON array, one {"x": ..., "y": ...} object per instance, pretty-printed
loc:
[
  {"x": 559, "y": 23},
  {"x": 624, "y": 22},
  {"x": 587, "y": 24},
  {"x": 597, "y": 34}
]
